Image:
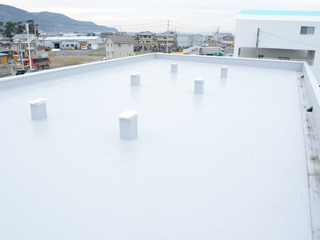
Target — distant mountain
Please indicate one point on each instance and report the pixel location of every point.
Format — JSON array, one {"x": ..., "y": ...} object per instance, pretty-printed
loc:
[{"x": 50, "y": 22}]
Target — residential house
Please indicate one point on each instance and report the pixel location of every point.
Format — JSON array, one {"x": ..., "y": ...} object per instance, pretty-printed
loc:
[
  {"x": 118, "y": 46},
  {"x": 162, "y": 39},
  {"x": 23, "y": 37},
  {"x": 146, "y": 38}
]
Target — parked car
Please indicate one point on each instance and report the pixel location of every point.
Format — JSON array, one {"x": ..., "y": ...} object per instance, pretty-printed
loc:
[
  {"x": 20, "y": 71},
  {"x": 84, "y": 48},
  {"x": 229, "y": 55},
  {"x": 104, "y": 59},
  {"x": 55, "y": 50},
  {"x": 31, "y": 70}
]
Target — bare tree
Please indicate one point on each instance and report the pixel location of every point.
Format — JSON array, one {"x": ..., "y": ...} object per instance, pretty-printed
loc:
[{"x": 191, "y": 40}]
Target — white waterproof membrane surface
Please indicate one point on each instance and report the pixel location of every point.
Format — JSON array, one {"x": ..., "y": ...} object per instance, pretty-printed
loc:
[{"x": 226, "y": 164}]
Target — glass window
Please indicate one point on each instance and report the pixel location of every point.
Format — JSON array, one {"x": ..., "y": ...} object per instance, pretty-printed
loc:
[
  {"x": 310, "y": 30},
  {"x": 119, "y": 45},
  {"x": 307, "y": 30},
  {"x": 129, "y": 44}
]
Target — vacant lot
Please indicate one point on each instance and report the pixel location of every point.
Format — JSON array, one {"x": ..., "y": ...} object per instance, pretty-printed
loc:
[{"x": 60, "y": 61}]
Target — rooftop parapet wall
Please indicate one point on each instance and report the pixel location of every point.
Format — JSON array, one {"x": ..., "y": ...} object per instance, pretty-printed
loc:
[
  {"x": 65, "y": 71},
  {"x": 313, "y": 94},
  {"x": 261, "y": 63},
  {"x": 313, "y": 88}
]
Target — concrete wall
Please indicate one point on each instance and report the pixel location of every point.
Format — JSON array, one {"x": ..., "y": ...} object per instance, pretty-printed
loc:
[{"x": 272, "y": 34}]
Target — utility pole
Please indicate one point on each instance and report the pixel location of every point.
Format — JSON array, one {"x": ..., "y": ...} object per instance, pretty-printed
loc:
[
  {"x": 168, "y": 36},
  {"x": 257, "y": 43},
  {"x": 142, "y": 47},
  {"x": 27, "y": 28},
  {"x": 21, "y": 55},
  {"x": 35, "y": 34}
]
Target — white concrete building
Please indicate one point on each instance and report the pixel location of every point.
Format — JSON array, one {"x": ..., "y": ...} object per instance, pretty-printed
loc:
[
  {"x": 226, "y": 163},
  {"x": 189, "y": 40},
  {"x": 284, "y": 35},
  {"x": 118, "y": 46},
  {"x": 91, "y": 42}
]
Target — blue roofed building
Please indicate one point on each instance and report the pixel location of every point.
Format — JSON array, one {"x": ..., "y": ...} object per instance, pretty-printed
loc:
[{"x": 3, "y": 58}]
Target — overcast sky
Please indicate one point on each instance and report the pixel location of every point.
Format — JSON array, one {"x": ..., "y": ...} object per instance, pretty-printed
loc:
[{"x": 185, "y": 16}]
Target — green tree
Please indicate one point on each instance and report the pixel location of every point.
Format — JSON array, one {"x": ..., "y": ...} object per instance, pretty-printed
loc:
[
  {"x": 11, "y": 28},
  {"x": 32, "y": 26}
]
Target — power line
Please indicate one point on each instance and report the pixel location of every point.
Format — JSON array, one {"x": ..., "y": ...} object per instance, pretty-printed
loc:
[
  {"x": 272, "y": 34},
  {"x": 84, "y": 24},
  {"x": 81, "y": 28},
  {"x": 207, "y": 30}
]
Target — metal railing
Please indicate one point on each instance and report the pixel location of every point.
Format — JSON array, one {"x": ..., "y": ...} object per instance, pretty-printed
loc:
[{"x": 310, "y": 62}]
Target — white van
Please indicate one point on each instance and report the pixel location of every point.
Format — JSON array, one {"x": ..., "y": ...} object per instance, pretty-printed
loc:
[{"x": 84, "y": 48}]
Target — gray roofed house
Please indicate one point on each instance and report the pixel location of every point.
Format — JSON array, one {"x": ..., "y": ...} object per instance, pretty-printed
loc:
[
  {"x": 121, "y": 39},
  {"x": 146, "y": 38},
  {"x": 162, "y": 38},
  {"x": 146, "y": 33},
  {"x": 23, "y": 37},
  {"x": 118, "y": 46}
]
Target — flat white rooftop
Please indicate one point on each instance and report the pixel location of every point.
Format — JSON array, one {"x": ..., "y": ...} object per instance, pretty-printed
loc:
[{"x": 226, "y": 164}]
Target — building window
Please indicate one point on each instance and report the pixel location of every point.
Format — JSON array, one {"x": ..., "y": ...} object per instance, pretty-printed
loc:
[
  {"x": 119, "y": 45},
  {"x": 307, "y": 30},
  {"x": 129, "y": 44},
  {"x": 67, "y": 45},
  {"x": 110, "y": 44},
  {"x": 107, "y": 44}
]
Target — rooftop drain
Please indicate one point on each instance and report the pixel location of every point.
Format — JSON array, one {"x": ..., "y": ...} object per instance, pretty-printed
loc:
[
  {"x": 174, "y": 67},
  {"x": 128, "y": 122},
  {"x": 199, "y": 85},
  {"x": 38, "y": 108},
  {"x": 224, "y": 72},
  {"x": 135, "y": 79}
]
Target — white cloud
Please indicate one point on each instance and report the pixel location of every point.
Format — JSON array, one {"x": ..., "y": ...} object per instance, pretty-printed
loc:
[{"x": 202, "y": 14}]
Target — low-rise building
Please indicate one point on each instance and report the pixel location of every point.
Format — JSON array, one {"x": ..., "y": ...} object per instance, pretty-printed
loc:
[
  {"x": 23, "y": 37},
  {"x": 189, "y": 40},
  {"x": 118, "y": 46},
  {"x": 146, "y": 38},
  {"x": 162, "y": 39},
  {"x": 92, "y": 42},
  {"x": 281, "y": 35},
  {"x": 3, "y": 58}
]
